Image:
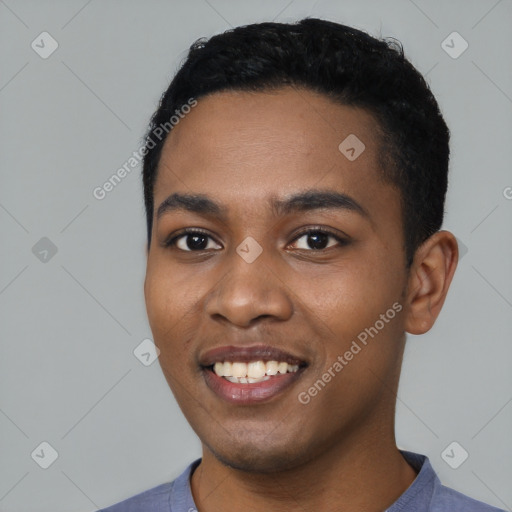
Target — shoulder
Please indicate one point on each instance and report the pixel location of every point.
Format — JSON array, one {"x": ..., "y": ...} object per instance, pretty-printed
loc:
[
  {"x": 175, "y": 496},
  {"x": 446, "y": 499},
  {"x": 157, "y": 498},
  {"x": 428, "y": 493}
]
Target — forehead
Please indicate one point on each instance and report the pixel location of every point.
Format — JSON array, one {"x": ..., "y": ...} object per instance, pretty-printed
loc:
[{"x": 247, "y": 146}]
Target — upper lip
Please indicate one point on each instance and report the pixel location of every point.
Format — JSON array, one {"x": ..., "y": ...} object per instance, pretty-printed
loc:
[{"x": 247, "y": 354}]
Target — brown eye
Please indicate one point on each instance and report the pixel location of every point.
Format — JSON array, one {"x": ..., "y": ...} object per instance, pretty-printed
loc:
[
  {"x": 190, "y": 240},
  {"x": 318, "y": 239}
]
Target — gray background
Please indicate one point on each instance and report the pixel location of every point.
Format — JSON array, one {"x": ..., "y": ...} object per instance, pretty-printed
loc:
[{"x": 69, "y": 324}]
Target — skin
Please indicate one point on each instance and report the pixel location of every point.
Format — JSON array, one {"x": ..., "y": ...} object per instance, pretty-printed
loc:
[{"x": 338, "y": 452}]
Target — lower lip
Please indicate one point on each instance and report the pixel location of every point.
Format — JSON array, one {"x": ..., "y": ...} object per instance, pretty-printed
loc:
[{"x": 246, "y": 394}]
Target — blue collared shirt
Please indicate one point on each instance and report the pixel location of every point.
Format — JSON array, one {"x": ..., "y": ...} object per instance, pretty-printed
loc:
[{"x": 425, "y": 494}]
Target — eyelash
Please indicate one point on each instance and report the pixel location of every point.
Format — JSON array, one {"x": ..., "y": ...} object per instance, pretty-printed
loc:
[{"x": 171, "y": 243}]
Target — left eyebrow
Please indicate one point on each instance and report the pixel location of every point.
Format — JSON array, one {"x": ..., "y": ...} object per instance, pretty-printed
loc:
[
  {"x": 299, "y": 202},
  {"x": 317, "y": 200}
]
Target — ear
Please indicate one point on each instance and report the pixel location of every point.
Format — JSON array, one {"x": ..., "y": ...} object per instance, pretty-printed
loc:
[{"x": 430, "y": 276}]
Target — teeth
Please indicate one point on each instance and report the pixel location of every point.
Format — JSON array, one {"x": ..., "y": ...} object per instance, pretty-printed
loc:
[
  {"x": 246, "y": 380},
  {"x": 255, "y": 371},
  {"x": 228, "y": 369},
  {"x": 272, "y": 367},
  {"x": 250, "y": 380},
  {"x": 218, "y": 368},
  {"x": 282, "y": 367},
  {"x": 239, "y": 370}
]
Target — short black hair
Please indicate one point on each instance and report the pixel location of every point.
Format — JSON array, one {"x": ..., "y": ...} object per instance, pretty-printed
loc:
[{"x": 348, "y": 66}]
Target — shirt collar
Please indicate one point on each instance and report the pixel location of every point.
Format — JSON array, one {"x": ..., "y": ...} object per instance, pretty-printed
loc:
[{"x": 418, "y": 495}]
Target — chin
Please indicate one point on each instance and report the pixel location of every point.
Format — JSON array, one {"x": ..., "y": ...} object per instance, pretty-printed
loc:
[{"x": 260, "y": 457}]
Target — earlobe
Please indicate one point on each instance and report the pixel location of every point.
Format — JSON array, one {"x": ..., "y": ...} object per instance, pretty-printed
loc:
[{"x": 430, "y": 276}]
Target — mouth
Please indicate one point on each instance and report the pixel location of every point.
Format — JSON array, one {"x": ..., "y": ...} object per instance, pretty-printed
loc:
[{"x": 245, "y": 375}]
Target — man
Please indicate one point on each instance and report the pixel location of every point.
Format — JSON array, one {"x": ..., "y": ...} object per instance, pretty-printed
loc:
[{"x": 294, "y": 182}]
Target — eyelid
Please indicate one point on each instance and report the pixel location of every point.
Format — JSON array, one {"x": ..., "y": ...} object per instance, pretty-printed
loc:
[
  {"x": 171, "y": 241},
  {"x": 339, "y": 236}
]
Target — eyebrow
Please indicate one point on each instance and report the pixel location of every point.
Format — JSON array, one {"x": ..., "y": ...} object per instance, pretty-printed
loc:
[{"x": 299, "y": 202}]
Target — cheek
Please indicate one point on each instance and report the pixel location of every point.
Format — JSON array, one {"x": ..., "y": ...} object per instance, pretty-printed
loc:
[
  {"x": 348, "y": 304},
  {"x": 157, "y": 295},
  {"x": 362, "y": 348},
  {"x": 165, "y": 305},
  {"x": 352, "y": 296},
  {"x": 172, "y": 303}
]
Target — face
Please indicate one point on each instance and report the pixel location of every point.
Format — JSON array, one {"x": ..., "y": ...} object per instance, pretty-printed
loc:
[{"x": 276, "y": 275}]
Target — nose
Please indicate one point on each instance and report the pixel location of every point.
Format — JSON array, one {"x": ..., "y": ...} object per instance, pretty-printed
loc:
[{"x": 249, "y": 291}]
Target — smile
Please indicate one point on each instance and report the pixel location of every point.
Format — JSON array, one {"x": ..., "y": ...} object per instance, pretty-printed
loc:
[{"x": 249, "y": 375}]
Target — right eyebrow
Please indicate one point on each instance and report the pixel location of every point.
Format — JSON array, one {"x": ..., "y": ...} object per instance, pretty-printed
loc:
[{"x": 196, "y": 203}]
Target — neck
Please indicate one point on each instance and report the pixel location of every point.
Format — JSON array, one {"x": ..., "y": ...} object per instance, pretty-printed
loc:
[{"x": 368, "y": 473}]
